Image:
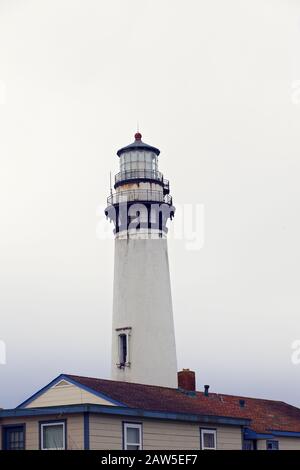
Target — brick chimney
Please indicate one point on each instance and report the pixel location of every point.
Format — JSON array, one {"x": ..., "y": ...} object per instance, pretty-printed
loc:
[{"x": 187, "y": 380}]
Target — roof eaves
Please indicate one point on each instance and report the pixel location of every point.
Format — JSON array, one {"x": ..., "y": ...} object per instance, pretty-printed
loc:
[
  {"x": 251, "y": 434},
  {"x": 285, "y": 433},
  {"x": 123, "y": 411}
]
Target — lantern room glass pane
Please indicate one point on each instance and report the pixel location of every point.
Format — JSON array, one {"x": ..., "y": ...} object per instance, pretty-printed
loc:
[
  {"x": 133, "y": 157},
  {"x": 141, "y": 161},
  {"x": 154, "y": 162}
]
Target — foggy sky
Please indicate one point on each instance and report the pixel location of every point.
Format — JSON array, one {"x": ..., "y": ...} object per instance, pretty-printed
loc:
[{"x": 213, "y": 85}]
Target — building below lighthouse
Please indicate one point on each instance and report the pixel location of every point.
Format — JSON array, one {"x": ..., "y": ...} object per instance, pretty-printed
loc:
[{"x": 143, "y": 339}]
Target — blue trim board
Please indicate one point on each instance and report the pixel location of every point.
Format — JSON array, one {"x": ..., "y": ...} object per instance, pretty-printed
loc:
[
  {"x": 73, "y": 382},
  {"x": 86, "y": 430},
  {"x": 285, "y": 433},
  {"x": 250, "y": 434},
  {"x": 121, "y": 411}
]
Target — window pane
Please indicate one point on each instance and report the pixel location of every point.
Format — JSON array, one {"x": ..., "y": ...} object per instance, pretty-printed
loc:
[
  {"x": 16, "y": 440},
  {"x": 122, "y": 349},
  {"x": 154, "y": 162},
  {"x": 272, "y": 445},
  {"x": 127, "y": 165},
  {"x": 133, "y": 435},
  {"x": 248, "y": 445},
  {"x": 140, "y": 165},
  {"x": 53, "y": 437},
  {"x": 208, "y": 440},
  {"x": 132, "y": 447}
]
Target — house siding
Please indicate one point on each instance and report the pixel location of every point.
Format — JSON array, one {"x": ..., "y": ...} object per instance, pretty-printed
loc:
[
  {"x": 75, "y": 430},
  {"x": 285, "y": 443},
  {"x": 289, "y": 443},
  {"x": 106, "y": 433},
  {"x": 66, "y": 395}
]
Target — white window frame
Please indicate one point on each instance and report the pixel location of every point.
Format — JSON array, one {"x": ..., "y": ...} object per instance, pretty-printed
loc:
[
  {"x": 208, "y": 431},
  {"x": 53, "y": 423},
  {"x": 132, "y": 426}
]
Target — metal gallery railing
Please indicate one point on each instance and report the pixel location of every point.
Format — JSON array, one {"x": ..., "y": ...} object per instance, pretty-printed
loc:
[{"x": 139, "y": 195}]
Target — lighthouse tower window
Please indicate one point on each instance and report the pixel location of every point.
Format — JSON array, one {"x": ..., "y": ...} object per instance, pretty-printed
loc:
[
  {"x": 123, "y": 341},
  {"x": 122, "y": 349}
]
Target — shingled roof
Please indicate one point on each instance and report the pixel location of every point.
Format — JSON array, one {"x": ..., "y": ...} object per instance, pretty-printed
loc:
[{"x": 265, "y": 415}]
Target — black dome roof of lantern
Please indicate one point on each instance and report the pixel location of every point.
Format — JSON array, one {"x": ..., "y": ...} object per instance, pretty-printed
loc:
[{"x": 138, "y": 144}]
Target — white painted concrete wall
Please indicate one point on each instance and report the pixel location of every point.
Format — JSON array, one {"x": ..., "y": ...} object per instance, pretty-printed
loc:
[{"x": 142, "y": 301}]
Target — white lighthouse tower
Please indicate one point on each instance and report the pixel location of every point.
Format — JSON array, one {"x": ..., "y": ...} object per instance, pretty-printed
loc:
[{"x": 143, "y": 340}]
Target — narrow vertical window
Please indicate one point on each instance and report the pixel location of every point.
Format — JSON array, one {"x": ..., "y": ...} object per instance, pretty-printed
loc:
[{"x": 122, "y": 349}]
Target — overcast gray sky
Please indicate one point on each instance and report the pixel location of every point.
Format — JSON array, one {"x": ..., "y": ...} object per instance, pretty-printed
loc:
[{"x": 214, "y": 85}]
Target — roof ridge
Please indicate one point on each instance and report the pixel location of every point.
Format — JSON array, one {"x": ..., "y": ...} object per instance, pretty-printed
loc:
[
  {"x": 170, "y": 388},
  {"x": 245, "y": 397},
  {"x": 118, "y": 381}
]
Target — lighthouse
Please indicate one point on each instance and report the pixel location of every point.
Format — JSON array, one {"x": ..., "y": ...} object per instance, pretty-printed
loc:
[{"x": 143, "y": 339}]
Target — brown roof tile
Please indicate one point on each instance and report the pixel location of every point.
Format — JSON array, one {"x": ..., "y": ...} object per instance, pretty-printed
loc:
[{"x": 265, "y": 415}]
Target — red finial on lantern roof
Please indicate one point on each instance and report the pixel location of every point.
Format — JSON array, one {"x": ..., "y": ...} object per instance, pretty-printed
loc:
[{"x": 138, "y": 136}]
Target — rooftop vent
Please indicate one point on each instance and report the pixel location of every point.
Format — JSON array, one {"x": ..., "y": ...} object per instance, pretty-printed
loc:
[{"x": 206, "y": 388}]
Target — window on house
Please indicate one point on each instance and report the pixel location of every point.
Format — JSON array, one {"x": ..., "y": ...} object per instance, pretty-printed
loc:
[
  {"x": 272, "y": 445},
  {"x": 122, "y": 349},
  {"x": 132, "y": 436},
  {"x": 14, "y": 437},
  {"x": 208, "y": 439},
  {"x": 53, "y": 435},
  {"x": 249, "y": 444}
]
